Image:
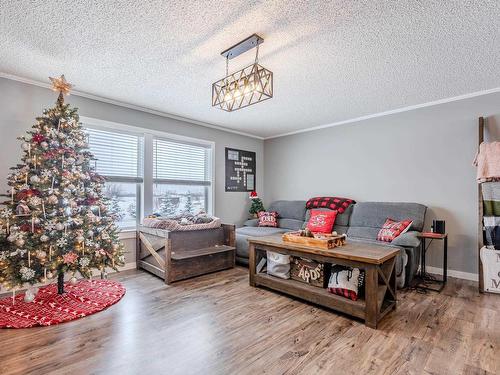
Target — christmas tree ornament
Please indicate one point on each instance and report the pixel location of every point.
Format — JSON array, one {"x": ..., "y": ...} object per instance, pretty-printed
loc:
[
  {"x": 59, "y": 226},
  {"x": 49, "y": 275},
  {"x": 20, "y": 242},
  {"x": 34, "y": 179},
  {"x": 44, "y": 238},
  {"x": 22, "y": 209},
  {"x": 73, "y": 280},
  {"x": 61, "y": 85},
  {"x": 44, "y": 145},
  {"x": 35, "y": 201},
  {"x": 52, "y": 199},
  {"x": 38, "y": 138},
  {"x": 30, "y": 294},
  {"x": 25, "y": 146}
]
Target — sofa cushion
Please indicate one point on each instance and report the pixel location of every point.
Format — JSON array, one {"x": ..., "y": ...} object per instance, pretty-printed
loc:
[
  {"x": 268, "y": 219},
  {"x": 289, "y": 209},
  {"x": 251, "y": 223},
  {"x": 372, "y": 215},
  {"x": 259, "y": 231},
  {"x": 392, "y": 229},
  {"x": 341, "y": 219},
  {"x": 340, "y": 229},
  {"x": 290, "y": 224},
  {"x": 321, "y": 221},
  {"x": 408, "y": 239}
]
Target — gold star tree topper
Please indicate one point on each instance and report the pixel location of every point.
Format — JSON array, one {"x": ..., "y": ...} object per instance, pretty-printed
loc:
[{"x": 60, "y": 84}]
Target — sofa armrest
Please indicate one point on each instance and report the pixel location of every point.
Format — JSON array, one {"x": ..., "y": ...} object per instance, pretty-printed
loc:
[
  {"x": 407, "y": 239},
  {"x": 251, "y": 223}
]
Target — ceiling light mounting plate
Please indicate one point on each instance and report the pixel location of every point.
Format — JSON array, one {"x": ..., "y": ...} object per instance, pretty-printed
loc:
[{"x": 245, "y": 45}]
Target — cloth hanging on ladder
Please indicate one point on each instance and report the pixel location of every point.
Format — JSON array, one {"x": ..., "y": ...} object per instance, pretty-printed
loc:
[
  {"x": 491, "y": 216},
  {"x": 487, "y": 161}
]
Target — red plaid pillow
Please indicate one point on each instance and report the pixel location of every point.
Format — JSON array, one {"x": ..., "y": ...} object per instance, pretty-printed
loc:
[
  {"x": 268, "y": 219},
  {"x": 392, "y": 229}
]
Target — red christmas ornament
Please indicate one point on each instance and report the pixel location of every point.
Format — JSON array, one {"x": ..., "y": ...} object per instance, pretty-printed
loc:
[
  {"x": 70, "y": 258},
  {"x": 23, "y": 194},
  {"x": 38, "y": 138}
]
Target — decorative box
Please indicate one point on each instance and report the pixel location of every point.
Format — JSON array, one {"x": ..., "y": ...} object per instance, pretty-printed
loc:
[{"x": 308, "y": 271}]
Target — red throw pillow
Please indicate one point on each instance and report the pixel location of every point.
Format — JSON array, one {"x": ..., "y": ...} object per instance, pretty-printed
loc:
[
  {"x": 322, "y": 221},
  {"x": 268, "y": 219},
  {"x": 392, "y": 229}
]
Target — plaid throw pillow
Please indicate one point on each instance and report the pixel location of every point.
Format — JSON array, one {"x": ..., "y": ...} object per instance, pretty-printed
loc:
[
  {"x": 345, "y": 281},
  {"x": 268, "y": 219},
  {"x": 392, "y": 229},
  {"x": 333, "y": 203}
]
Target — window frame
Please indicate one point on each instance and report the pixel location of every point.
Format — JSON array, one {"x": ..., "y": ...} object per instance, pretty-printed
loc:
[
  {"x": 207, "y": 182},
  {"x": 139, "y": 181},
  {"x": 145, "y": 189}
]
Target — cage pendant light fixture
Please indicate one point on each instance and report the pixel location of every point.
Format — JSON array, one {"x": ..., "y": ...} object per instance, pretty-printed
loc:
[{"x": 250, "y": 85}]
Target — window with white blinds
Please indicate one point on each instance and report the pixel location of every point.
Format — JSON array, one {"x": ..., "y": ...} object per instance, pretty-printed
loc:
[
  {"x": 119, "y": 155},
  {"x": 182, "y": 182},
  {"x": 180, "y": 163},
  {"x": 149, "y": 173},
  {"x": 119, "y": 158}
]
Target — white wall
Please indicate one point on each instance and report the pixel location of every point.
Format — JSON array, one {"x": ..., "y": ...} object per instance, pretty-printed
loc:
[
  {"x": 21, "y": 103},
  {"x": 419, "y": 156}
]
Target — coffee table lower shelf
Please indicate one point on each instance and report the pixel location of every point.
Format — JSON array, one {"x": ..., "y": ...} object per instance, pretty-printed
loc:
[
  {"x": 378, "y": 262},
  {"x": 322, "y": 297}
]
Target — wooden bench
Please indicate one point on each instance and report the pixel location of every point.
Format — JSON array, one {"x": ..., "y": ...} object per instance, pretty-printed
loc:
[
  {"x": 377, "y": 261},
  {"x": 178, "y": 255}
]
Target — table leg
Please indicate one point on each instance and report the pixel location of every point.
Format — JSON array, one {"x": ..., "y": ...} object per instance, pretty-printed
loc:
[
  {"x": 252, "y": 263},
  {"x": 394, "y": 284},
  {"x": 445, "y": 260},
  {"x": 371, "y": 293},
  {"x": 422, "y": 266}
]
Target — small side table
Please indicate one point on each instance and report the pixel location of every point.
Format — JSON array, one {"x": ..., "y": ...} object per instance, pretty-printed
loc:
[{"x": 423, "y": 250}]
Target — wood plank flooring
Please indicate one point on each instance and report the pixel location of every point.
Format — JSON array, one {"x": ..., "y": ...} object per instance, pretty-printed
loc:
[{"x": 218, "y": 324}]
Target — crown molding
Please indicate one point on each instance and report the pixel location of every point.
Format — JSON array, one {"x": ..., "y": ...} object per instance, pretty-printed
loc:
[
  {"x": 390, "y": 112},
  {"x": 227, "y": 130},
  {"x": 102, "y": 99}
]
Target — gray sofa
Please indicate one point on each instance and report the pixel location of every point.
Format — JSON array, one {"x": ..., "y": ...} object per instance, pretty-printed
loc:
[{"x": 361, "y": 222}]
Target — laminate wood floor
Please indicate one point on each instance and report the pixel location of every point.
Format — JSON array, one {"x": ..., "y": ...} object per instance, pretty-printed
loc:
[{"x": 218, "y": 324}]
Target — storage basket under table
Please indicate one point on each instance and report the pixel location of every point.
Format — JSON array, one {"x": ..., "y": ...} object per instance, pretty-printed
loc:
[{"x": 309, "y": 271}]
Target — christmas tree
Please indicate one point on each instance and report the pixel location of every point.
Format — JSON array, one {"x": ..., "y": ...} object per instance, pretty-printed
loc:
[
  {"x": 256, "y": 205},
  {"x": 168, "y": 208},
  {"x": 56, "y": 218},
  {"x": 188, "y": 206}
]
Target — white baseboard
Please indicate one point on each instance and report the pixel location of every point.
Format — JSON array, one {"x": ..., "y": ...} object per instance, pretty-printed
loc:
[
  {"x": 453, "y": 273},
  {"x": 128, "y": 266}
]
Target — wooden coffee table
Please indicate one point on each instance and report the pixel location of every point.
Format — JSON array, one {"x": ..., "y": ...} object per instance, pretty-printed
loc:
[{"x": 377, "y": 261}]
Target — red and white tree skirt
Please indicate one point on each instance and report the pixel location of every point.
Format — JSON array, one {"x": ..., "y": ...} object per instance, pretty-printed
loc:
[{"x": 84, "y": 298}]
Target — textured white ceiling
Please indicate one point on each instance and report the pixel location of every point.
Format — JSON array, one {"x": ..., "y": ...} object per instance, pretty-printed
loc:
[{"x": 332, "y": 60}]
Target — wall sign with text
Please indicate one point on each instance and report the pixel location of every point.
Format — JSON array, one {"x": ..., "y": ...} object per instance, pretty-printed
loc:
[{"x": 240, "y": 170}]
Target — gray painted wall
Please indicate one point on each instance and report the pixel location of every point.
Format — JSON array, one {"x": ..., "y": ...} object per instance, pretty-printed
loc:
[
  {"x": 21, "y": 103},
  {"x": 422, "y": 156}
]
